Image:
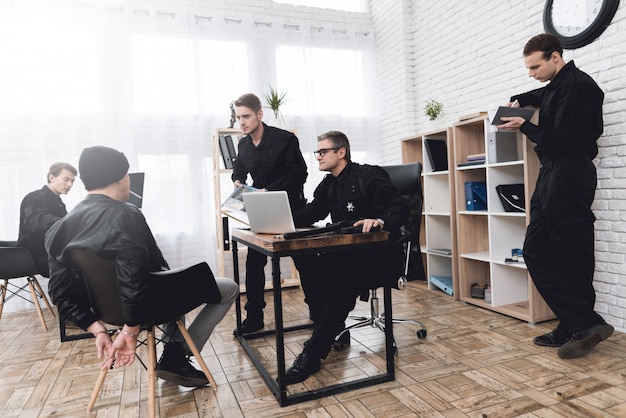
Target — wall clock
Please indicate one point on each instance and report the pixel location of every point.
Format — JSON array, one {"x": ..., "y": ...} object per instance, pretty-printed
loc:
[{"x": 578, "y": 22}]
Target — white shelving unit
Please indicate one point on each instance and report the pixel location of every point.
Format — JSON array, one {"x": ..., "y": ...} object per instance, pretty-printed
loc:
[
  {"x": 221, "y": 177},
  {"x": 438, "y": 219},
  {"x": 485, "y": 238}
]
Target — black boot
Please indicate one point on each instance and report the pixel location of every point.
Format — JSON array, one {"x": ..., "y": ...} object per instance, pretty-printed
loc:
[
  {"x": 253, "y": 322},
  {"x": 174, "y": 366},
  {"x": 305, "y": 365}
]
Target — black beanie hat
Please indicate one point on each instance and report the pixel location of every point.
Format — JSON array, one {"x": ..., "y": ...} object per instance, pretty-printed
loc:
[{"x": 100, "y": 166}]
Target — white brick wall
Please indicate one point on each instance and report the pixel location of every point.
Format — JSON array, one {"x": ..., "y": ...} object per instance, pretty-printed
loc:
[{"x": 468, "y": 56}]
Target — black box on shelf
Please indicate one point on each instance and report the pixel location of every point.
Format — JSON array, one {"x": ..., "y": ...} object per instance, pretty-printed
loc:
[
  {"x": 478, "y": 290},
  {"x": 512, "y": 197},
  {"x": 502, "y": 146}
]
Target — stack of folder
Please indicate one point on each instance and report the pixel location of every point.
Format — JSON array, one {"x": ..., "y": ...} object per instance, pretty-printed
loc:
[{"x": 474, "y": 159}]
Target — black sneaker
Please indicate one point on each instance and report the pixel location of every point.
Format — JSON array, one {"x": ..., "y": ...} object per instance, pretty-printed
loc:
[
  {"x": 174, "y": 366},
  {"x": 304, "y": 366},
  {"x": 555, "y": 338},
  {"x": 582, "y": 342}
]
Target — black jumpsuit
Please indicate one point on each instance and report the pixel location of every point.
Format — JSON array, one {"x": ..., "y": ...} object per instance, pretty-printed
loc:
[{"x": 559, "y": 244}]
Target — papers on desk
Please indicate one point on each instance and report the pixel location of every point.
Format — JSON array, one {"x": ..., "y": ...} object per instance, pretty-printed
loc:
[{"x": 234, "y": 207}]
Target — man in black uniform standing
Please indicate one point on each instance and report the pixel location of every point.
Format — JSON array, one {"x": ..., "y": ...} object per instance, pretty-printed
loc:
[
  {"x": 364, "y": 195},
  {"x": 273, "y": 159},
  {"x": 41, "y": 209},
  {"x": 559, "y": 244}
]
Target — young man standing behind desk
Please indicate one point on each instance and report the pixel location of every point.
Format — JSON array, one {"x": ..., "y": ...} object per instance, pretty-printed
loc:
[
  {"x": 558, "y": 248},
  {"x": 273, "y": 159},
  {"x": 353, "y": 192}
]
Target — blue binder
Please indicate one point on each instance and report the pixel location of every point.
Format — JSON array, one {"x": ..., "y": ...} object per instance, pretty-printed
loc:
[
  {"x": 442, "y": 282},
  {"x": 475, "y": 195}
]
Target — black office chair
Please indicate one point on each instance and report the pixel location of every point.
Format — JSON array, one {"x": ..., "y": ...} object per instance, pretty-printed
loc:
[
  {"x": 407, "y": 179},
  {"x": 17, "y": 263},
  {"x": 100, "y": 278}
]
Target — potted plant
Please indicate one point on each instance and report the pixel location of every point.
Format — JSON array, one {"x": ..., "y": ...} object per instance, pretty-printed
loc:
[
  {"x": 274, "y": 101},
  {"x": 433, "y": 109}
]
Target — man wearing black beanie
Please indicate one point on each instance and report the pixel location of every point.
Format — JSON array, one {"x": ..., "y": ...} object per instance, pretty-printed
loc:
[{"x": 105, "y": 224}]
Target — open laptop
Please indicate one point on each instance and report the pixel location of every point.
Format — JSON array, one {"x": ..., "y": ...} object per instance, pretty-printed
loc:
[{"x": 269, "y": 212}]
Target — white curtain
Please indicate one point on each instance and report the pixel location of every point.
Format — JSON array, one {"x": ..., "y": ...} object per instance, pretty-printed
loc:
[{"x": 156, "y": 84}]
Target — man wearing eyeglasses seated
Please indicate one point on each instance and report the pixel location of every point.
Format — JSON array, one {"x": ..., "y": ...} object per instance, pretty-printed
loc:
[{"x": 359, "y": 193}]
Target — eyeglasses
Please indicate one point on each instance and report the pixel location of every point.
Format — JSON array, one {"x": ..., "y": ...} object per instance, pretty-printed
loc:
[{"x": 322, "y": 151}]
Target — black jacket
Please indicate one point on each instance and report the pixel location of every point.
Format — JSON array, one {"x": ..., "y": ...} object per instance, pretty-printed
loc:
[
  {"x": 115, "y": 230},
  {"x": 360, "y": 191},
  {"x": 570, "y": 118},
  {"x": 275, "y": 164},
  {"x": 38, "y": 212}
]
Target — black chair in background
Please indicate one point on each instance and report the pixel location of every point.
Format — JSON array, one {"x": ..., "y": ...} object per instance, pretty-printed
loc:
[
  {"x": 407, "y": 179},
  {"x": 100, "y": 278},
  {"x": 17, "y": 263}
]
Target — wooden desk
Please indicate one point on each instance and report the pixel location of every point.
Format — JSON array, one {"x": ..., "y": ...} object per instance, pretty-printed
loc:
[{"x": 276, "y": 247}]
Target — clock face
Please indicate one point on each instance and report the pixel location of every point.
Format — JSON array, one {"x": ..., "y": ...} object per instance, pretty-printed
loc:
[
  {"x": 578, "y": 22},
  {"x": 573, "y": 17}
]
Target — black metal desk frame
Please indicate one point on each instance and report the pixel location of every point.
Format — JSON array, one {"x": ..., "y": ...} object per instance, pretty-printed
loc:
[{"x": 278, "y": 387}]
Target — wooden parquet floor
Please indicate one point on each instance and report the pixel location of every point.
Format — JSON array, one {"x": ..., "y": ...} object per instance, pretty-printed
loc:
[{"x": 474, "y": 363}]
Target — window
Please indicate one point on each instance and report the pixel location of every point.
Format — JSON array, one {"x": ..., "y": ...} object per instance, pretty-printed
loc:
[
  {"x": 321, "y": 80},
  {"x": 224, "y": 69},
  {"x": 48, "y": 70},
  {"x": 183, "y": 76},
  {"x": 168, "y": 197},
  {"x": 164, "y": 75}
]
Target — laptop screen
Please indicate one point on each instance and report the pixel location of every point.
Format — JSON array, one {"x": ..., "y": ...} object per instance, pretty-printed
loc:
[
  {"x": 269, "y": 212},
  {"x": 136, "y": 189}
]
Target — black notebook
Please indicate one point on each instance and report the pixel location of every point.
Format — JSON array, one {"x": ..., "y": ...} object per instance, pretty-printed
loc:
[
  {"x": 506, "y": 111},
  {"x": 437, "y": 151}
]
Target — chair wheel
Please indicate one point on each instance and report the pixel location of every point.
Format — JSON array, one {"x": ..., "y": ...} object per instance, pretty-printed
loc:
[
  {"x": 342, "y": 340},
  {"x": 421, "y": 333},
  {"x": 338, "y": 346}
]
